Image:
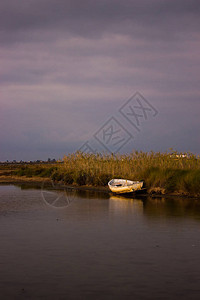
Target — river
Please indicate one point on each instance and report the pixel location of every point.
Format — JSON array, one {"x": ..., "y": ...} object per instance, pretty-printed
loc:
[{"x": 88, "y": 245}]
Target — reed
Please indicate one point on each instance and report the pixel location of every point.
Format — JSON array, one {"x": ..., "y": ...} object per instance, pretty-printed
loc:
[
  {"x": 162, "y": 172},
  {"x": 165, "y": 172}
]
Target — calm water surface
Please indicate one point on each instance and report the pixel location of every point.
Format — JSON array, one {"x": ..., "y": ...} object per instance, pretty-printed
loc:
[{"x": 98, "y": 247}]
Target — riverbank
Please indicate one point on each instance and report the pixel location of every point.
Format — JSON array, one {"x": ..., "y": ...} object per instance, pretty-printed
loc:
[
  {"x": 163, "y": 173},
  {"x": 47, "y": 183},
  {"x": 41, "y": 183}
]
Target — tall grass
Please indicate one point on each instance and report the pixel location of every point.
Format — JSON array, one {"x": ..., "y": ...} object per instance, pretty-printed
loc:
[{"x": 162, "y": 172}]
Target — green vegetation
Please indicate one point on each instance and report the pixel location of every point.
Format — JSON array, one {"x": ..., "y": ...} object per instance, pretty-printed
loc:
[
  {"x": 35, "y": 170},
  {"x": 163, "y": 173}
]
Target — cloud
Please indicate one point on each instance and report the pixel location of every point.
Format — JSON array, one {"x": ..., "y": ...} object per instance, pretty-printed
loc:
[
  {"x": 67, "y": 66},
  {"x": 155, "y": 19}
]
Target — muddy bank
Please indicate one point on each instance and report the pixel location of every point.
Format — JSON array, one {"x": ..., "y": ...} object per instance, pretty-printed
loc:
[{"x": 48, "y": 183}]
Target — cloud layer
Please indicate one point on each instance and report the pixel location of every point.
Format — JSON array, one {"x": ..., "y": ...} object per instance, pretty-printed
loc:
[{"x": 67, "y": 66}]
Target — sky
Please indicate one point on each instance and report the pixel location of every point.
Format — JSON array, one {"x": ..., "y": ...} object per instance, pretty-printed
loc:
[{"x": 106, "y": 76}]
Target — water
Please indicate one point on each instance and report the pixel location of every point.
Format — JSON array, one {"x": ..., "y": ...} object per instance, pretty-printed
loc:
[{"x": 98, "y": 247}]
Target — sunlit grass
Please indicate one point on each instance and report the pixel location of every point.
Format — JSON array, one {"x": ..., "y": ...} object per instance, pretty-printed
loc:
[
  {"x": 171, "y": 172},
  {"x": 163, "y": 172}
]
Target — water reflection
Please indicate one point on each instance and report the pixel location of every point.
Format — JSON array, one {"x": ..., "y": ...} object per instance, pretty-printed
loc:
[
  {"x": 13, "y": 199},
  {"x": 162, "y": 207},
  {"x": 100, "y": 247},
  {"x": 97, "y": 202},
  {"x": 171, "y": 207},
  {"x": 157, "y": 208},
  {"x": 92, "y": 194},
  {"x": 122, "y": 204}
]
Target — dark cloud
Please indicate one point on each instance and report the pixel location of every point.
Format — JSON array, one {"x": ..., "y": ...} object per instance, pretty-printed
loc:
[
  {"x": 67, "y": 66},
  {"x": 152, "y": 19}
]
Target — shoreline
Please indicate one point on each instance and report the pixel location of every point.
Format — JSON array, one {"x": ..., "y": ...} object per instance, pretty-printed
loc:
[
  {"x": 164, "y": 174},
  {"x": 36, "y": 181}
]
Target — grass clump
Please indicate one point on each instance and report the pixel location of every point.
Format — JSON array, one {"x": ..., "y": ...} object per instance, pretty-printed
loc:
[
  {"x": 167, "y": 172},
  {"x": 35, "y": 170}
]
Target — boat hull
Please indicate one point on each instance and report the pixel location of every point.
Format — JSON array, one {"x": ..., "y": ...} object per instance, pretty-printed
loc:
[{"x": 122, "y": 186}]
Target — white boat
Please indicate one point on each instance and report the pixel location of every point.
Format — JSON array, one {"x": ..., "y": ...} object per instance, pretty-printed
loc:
[{"x": 121, "y": 186}]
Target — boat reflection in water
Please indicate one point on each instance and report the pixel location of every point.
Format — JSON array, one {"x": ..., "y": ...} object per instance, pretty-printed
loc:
[
  {"x": 156, "y": 208},
  {"x": 122, "y": 204}
]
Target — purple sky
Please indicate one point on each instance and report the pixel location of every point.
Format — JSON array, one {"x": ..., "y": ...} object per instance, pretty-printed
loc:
[{"x": 68, "y": 66}]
